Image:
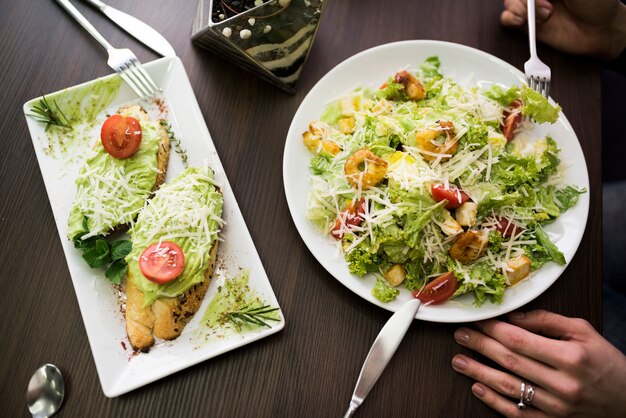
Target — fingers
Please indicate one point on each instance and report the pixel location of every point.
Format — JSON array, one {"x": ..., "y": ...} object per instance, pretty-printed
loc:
[
  {"x": 520, "y": 365},
  {"x": 515, "y": 12},
  {"x": 507, "y": 385},
  {"x": 552, "y": 325},
  {"x": 504, "y": 406},
  {"x": 508, "y": 18},
  {"x": 519, "y": 340}
]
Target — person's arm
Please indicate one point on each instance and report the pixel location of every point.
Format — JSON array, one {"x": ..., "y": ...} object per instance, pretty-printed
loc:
[
  {"x": 582, "y": 27},
  {"x": 573, "y": 369}
]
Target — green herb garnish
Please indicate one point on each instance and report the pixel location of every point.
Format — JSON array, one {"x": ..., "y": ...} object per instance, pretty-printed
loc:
[
  {"x": 44, "y": 113},
  {"x": 252, "y": 316},
  {"x": 175, "y": 141},
  {"x": 98, "y": 252}
]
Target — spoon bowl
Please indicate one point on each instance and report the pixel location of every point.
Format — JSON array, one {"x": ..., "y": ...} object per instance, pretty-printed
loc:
[{"x": 45, "y": 391}]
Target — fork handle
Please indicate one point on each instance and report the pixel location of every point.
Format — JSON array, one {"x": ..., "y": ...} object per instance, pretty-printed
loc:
[
  {"x": 69, "y": 7},
  {"x": 530, "y": 5}
]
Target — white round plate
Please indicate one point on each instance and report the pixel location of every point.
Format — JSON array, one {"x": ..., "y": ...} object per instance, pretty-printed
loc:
[{"x": 369, "y": 69}]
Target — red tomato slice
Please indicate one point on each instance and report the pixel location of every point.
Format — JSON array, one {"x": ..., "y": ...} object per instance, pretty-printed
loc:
[
  {"x": 512, "y": 118},
  {"x": 439, "y": 290},
  {"x": 162, "y": 262},
  {"x": 455, "y": 196},
  {"x": 352, "y": 216},
  {"x": 506, "y": 228},
  {"x": 121, "y": 136}
]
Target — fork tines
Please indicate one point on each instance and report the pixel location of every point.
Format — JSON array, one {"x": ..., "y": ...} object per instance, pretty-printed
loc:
[
  {"x": 540, "y": 84},
  {"x": 138, "y": 79}
]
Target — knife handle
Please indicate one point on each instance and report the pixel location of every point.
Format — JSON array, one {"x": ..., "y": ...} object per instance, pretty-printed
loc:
[{"x": 96, "y": 3}]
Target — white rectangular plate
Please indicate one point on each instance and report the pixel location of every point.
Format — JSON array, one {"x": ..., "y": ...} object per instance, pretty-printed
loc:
[{"x": 119, "y": 369}]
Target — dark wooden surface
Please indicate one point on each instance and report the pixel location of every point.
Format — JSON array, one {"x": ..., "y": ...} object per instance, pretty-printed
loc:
[{"x": 308, "y": 369}]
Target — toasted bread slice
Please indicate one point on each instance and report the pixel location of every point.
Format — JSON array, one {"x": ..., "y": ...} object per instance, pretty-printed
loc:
[
  {"x": 188, "y": 212},
  {"x": 166, "y": 317},
  {"x": 87, "y": 201}
]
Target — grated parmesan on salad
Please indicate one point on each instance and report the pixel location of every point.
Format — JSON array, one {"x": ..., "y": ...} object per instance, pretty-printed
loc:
[{"x": 382, "y": 159}]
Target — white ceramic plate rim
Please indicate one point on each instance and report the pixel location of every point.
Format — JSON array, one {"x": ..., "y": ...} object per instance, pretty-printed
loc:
[
  {"x": 369, "y": 69},
  {"x": 104, "y": 324}
]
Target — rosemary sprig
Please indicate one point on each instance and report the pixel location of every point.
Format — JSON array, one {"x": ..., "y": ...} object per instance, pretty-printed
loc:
[
  {"x": 44, "y": 113},
  {"x": 252, "y": 315}
]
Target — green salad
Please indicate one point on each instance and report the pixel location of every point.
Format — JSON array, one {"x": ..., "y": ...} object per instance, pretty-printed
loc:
[{"x": 437, "y": 186}]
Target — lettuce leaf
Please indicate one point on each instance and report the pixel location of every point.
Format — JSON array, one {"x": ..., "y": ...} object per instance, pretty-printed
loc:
[
  {"x": 332, "y": 113},
  {"x": 383, "y": 292},
  {"x": 551, "y": 249},
  {"x": 486, "y": 283},
  {"x": 361, "y": 261},
  {"x": 514, "y": 171},
  {"x": 502, "y": 95},
  {"x": 320, "y": 164},
  {"x": 414, "y": 223},
  {"x": 537, "y": 106},
  {"x": 567, "y": 197},
  {"x": 430, "y": 69},
  {"x": 392, "y": 91}
]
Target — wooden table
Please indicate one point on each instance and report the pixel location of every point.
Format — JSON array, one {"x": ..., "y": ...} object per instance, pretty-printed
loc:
[{"x": 308, "y": 369}]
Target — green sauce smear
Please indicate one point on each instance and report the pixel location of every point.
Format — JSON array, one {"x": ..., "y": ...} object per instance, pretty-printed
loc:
[
  {"x": 81, "y": 105},
  {"x": 233, "y": 296}
]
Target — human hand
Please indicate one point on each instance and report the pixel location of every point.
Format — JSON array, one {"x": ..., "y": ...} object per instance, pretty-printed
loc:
[
  {"x": 580, "y": 27},
  {"x": 575, "y": 370}
]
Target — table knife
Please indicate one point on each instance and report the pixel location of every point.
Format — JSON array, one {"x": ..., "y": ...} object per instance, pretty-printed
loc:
[
  {"x": 135, "y": 27},
  {"x": 381, "y": 352}
]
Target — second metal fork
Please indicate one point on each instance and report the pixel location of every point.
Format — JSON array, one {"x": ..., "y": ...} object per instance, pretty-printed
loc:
[
  {"x": 538, "y": 75},
  {"x": 123, "y": 61}
]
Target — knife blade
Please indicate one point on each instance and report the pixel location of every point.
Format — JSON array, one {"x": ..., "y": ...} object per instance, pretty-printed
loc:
[
  {"x": 135, "y": 27},
  {"x": 383, "y": 349}
]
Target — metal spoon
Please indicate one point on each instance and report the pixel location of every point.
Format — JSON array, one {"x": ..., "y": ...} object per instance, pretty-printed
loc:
[{"x": 45, "y": 391}]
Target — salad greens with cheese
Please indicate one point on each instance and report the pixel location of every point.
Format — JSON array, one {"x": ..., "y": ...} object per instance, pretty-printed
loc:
[
  {"x": 186, "y": 211},
  {"x": 379, "y": 155}
]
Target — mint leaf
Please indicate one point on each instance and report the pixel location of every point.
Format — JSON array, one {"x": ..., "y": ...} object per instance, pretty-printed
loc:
[
  {"x": 97, "y": 254},
  {"x": 94, "y": 259},
  {"x": 120, "y": 249},
  {"x": 116, "y": 271}
]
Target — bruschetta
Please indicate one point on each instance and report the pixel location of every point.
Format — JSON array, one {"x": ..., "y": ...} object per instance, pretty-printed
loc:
[{"x": 175, "y": 241}]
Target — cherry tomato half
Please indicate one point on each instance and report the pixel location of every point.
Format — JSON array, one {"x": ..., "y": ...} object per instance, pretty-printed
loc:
[
  {"x": 352, "y": 216},
  {"x": 512, "y": 118},
  {"x": 506, "y": 228},
  {"x": 121, "y": 136},
  {"x": 455, "y": 196},
  {"x": 439, "y": 290},
  {"x": 162, "y": 262}
]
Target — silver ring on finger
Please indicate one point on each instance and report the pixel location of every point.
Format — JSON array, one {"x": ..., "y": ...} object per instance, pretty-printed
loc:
[{"x": 530, "y": 394}]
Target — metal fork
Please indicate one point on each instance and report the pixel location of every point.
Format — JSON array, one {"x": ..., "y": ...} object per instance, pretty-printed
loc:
[
  {"x": 538, "y": 74},
  {"x": 122, "y": 60}
]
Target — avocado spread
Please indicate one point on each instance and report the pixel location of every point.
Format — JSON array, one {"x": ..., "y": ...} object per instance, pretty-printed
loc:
[
  {"x": 110, "y": 191},
  {"x": 186, "y": 211}
]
